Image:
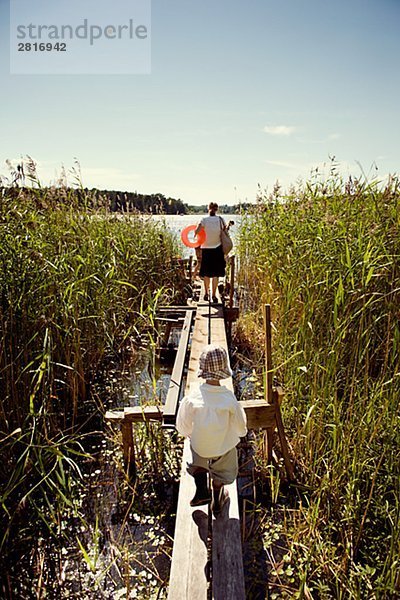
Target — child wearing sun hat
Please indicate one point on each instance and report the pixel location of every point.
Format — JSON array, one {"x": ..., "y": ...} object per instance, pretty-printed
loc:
[{"x": 213, "y": 419}]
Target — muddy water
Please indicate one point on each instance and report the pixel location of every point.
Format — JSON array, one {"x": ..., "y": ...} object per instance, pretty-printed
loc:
[{"x": 125, "y": 531}]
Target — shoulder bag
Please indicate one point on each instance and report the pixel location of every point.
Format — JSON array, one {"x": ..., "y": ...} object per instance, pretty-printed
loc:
[{"x": 226, "y": 241}]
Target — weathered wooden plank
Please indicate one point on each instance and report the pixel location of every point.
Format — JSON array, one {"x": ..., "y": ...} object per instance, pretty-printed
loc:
[
  {"x": 227, "y": 573},
  {"x": 269, "y": 377},
  {"x": 143, "y": 413},
  {"x": 268, "y": 353},
  {"x": 273, "y": 396},
  {"x": 278, "y": 394},
  {"x": 189, "y": 558},
  {"x": 259, "y": 414},
  {"x": 114, "y": 415},
  {"x": 227, "y": 560},
  {"x": 284, "y": 446},
  {"x": 177, "y": 308},
  {"x": 172, "y": 399},
  {"x": 189, "y": 567},
  {"x": 135, "y": 414},
  {"x": 199, "y": 340},
  {"x": 173, "y": 319}
]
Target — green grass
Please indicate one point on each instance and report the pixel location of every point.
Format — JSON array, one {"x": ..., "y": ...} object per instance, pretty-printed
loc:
[{"x": 326, "y": 256}]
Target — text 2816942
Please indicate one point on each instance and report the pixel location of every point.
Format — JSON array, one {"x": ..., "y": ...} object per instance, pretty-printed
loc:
[{"x": 42, "y": 47}]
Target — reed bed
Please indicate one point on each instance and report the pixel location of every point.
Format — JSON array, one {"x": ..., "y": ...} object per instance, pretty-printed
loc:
[
  {"x": 79, "y": 290},
  {"x": 326, "y": 256}
]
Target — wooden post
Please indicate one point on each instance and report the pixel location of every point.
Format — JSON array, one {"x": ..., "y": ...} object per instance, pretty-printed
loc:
[
  {"x": 268, "y": 353},
  {"x": 232, "y": 281},
  {"x": 167, "y": 333},
  {"x": 190, "y": 270},
  {"x": 268, "y": 377},
  {"x": 228, "y": 312},
  {"x": 272, "y": 397},
  {"x": 128, "y": 449},
  {"x": 282, "y": 437}
]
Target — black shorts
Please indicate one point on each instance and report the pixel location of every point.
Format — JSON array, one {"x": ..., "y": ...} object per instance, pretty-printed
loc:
[{"x": 212, "y": 262}]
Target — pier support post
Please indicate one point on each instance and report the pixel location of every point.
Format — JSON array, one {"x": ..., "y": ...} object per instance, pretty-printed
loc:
[
  {"x": 272, "y": 397},
  {"x": 268, "y": 377},
  {"x": 128, "y": 449},
  {"x": 232, "y": 280}
]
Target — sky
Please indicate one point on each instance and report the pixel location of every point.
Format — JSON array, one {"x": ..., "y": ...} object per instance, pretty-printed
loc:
[{"x": 240, "y": 94}]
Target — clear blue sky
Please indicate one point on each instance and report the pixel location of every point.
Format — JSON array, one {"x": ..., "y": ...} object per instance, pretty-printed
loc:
[{"x": 240, "y": 94}]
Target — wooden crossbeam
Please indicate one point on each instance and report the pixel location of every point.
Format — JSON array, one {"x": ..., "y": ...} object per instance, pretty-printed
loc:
[
  {"x": 173, "y": 319},
  {"x": 115, "y": 416},
  {"x": 135, "y": 414},
  {"x": 177, "y": 308},
  {"x": 259, "y": 414}
]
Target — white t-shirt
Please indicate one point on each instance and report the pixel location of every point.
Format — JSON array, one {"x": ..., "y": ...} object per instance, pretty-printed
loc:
[
  {"x": 212, "y": 227},
  {"x": 213, "y": 419}
]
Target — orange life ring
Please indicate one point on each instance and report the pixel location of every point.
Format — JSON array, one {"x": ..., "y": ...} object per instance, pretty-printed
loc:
[{"x": 198, "y": 240}]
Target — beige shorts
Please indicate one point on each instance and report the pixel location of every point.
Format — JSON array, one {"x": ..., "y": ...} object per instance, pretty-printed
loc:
[{"x": 223, "y": 469}]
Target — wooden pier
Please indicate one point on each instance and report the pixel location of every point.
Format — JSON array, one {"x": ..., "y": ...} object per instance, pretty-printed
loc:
[
  {"x": 207, "y": 552},
  {"x": 193, "y": 571}
]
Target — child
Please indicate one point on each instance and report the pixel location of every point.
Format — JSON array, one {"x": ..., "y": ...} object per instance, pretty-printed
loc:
[{"x": 214, "y": 421}]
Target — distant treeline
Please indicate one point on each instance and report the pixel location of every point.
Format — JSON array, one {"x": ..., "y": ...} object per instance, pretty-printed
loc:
[
  {"x": 117, "y": 201},
  {"x": 225, "y": 209},
  {"x": 148, "y": 203}
]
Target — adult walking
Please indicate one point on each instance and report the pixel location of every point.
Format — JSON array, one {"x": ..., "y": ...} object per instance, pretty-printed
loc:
[{"x": 213, "y": 259}]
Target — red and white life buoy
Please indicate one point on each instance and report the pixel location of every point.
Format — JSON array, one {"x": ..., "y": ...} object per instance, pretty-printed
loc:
[{"x": 199, "y": 239}]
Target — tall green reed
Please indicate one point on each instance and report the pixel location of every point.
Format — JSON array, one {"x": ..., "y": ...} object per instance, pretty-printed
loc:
[
  {"x": 327, "y": 257},
  {"x": 79, "y": 286},
  {"x": 75, "y": 289}
]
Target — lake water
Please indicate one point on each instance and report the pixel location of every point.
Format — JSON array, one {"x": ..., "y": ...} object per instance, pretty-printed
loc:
[{"x": 178, "y": 222}]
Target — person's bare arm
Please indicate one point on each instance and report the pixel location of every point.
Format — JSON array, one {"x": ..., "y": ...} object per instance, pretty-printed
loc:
[{"x": 199, "y": 228}]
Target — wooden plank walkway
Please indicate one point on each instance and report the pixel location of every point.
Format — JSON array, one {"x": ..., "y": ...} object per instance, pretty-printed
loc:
[
  {"x": 190, "y": 565},
  {"x": 171, "y": 402},
  {"x": 207, "y": 553}
]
